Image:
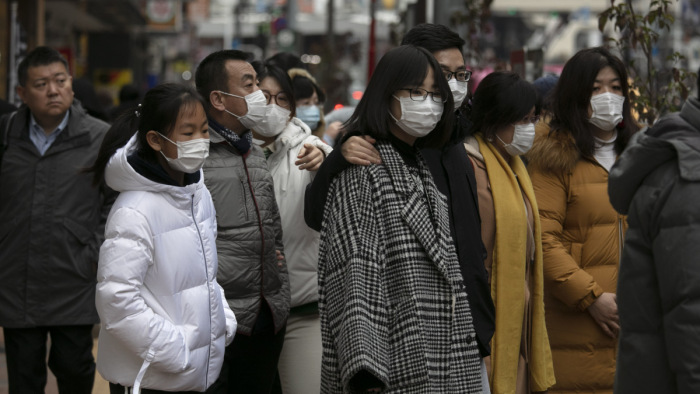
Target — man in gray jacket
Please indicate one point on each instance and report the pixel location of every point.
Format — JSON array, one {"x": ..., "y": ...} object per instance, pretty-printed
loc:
[
  {"x": 51, "y": 227},
  {"x": 249, "y": 238},
  {"x": 656, "y": 181}
]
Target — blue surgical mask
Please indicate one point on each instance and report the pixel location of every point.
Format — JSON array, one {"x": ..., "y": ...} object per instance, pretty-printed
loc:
[{"x": 309, "y": 114}]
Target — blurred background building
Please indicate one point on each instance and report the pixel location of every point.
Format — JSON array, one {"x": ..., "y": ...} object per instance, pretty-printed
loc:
[{"x": 112, "y": 43}]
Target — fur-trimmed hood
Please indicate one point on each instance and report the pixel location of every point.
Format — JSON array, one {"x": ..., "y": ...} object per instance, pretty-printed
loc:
[{"x": 552, "y": 152}]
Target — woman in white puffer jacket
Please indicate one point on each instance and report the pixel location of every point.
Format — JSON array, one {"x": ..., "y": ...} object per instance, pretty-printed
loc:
[
  {"x": 293, "y": 155},
  {"x": 164, "y": 322}
]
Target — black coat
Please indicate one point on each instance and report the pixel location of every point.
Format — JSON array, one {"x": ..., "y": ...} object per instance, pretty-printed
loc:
[
  {"x": 453, "y": 175},
  {"x": 51, "y": 224},
  {"x": 656, "y": 182}
]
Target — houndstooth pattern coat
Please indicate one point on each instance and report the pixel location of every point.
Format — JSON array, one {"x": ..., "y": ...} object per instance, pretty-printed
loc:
[{"x": 391, "y": 296}]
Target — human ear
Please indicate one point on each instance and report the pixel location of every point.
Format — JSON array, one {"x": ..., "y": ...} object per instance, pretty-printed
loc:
[
  {"x": 217, "y": 101},
  {"x": 153, "y": 139},
  {"x": 20, "y": 92}
]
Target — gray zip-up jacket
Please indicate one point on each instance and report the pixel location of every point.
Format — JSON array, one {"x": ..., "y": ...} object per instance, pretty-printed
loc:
[
  {"x": 51, "y": 224},
  {"x": 249, "y": 232}
]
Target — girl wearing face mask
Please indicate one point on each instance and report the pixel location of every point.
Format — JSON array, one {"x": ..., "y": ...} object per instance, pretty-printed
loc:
[
  {"x": 164, "y": 318},
  {"x": 504, "y": 115},
  {"x": 582, "y": 234},
  {"x": 394, "y": 311},
  {"x": 309, "y": 98},
  {"x": 293, "y": 156}
]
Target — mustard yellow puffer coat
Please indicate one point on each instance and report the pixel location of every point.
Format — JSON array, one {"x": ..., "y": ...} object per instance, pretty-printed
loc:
[{"x": 582, "y": 239}]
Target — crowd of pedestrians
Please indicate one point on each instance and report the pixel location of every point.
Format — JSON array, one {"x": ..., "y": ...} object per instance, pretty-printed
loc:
[{"x": 451, "y": 243}]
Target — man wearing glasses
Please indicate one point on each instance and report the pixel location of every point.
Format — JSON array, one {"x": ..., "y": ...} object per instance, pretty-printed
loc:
[{"x": 452, "y": 172}]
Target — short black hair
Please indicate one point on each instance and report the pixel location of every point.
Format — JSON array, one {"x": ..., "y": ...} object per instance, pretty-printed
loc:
[
  {"x": 401, "y": 67},
  {"x": 211, "y": 73},
  {"x": 305, "y": 87},
  {"x": 433, "y": 37},
  {"x": 286, "y": 60},
  {"x": 40, "y": 56},
  {"x": 265, "y": 70},
  {"x": 502, "y": 98},
  {"x": 129, "y": 93},
  {"x": 571, "y": 99}
]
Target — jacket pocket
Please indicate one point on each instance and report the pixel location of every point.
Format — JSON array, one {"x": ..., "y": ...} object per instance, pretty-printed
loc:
[
  {"x": 79, "y": 241},
  {"x": 408, "y": 362}
]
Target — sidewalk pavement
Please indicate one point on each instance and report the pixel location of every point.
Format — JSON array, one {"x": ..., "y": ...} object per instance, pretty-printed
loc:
[{"x": 100, "y": 387}]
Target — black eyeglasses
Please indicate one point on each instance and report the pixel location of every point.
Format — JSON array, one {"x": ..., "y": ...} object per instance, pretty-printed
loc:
[
  {"x": 461, "y": 76},
  {"x": 280, "y": 98},
  {"x": 420, "y": 94}
]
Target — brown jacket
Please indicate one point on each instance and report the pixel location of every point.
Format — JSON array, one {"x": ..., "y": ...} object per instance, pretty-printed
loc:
[{"x": 582, "y": 240}]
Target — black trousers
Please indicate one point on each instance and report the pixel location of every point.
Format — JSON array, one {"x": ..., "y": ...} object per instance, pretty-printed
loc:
[
  {"x": 216, "y": 388},
  {"x": 250, "y": 363},
  {"x": 70, "y": 359}
]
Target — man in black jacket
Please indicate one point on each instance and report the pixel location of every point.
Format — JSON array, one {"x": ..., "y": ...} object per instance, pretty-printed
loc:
[
  {"x": 656, "y": 182},
  {"x": 51, "y": 228},
  {"x": 452, "y": 172}
]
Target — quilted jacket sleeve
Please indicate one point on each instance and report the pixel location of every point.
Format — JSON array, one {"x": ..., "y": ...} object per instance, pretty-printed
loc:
[
  {"x": 564, "y": 278},
  {"x": 674, "y": 231},
  {"x": 350, "y": 279},
  {"x": 125, "y": 257}
]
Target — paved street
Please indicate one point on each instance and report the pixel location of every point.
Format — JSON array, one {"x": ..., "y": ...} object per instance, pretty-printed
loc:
[{"x": 101, "y": 386}]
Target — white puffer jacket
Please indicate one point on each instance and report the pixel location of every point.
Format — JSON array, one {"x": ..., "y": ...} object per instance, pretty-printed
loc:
[
  {"x": 164, "y": 324},
  {"x": 300, "y": 242}
]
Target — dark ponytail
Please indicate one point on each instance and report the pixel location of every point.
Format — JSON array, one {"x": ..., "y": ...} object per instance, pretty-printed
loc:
[
  {"x": 123, "y": 128},
  {"x": 161, "y": 108}
]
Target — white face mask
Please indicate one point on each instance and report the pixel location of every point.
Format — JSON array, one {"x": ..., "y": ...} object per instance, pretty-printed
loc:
[
  {"x": 459, "y": 91},
  {"x": 274, "y": 122},
  {"x": 418, "y": 118},
  {"x": 607, "y": 110},
  {"x": 523, "y": 136},
  {"x": 257, "y": 104},
  {"x": 190, "y": 154}
]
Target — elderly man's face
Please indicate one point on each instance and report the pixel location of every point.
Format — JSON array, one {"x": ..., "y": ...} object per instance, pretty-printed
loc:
[{"x": 48, "y": 91}]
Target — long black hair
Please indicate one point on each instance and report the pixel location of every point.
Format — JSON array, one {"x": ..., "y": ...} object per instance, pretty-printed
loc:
[
  {"x": 401, "y": 67},
  {"x": 502, "y": 98},
  {"x": 571, "y": 99},
  {"x": 161, "y": 108}
]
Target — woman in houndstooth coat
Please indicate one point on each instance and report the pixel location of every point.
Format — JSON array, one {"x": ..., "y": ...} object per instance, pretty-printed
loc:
[{"x": 394, "y": 312}]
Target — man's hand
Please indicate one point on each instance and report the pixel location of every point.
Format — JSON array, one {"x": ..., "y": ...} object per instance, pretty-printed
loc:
[
  {"x": 604, "y": 312},
  {"x": 361, "y": 151},
  {"x": 310, "y": 158}
]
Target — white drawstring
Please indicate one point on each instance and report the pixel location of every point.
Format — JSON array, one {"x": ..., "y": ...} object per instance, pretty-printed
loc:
[{"x": 137, "y": 383}]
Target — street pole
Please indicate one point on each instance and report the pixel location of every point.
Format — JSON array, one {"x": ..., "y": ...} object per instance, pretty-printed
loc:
[
  {"x": 330, "y": 27},
  {"x": 372, "y": 50}
]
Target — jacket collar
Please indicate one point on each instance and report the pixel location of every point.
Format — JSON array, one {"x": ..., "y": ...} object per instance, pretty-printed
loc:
[
  {"x": 293, "y": 134},
  {"x": 423, "y": 219},
  {"x": 74, "y": 135},
  {"x": 122, "y": 177}
]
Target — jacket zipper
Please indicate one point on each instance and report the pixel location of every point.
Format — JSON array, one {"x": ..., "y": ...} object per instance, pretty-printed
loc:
[
  {"x": 262, "y": 239},
  {"x": 245, "y": 196},
  {"x": 206, "y": 274},
  {"x": 620, "y": 239}
]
